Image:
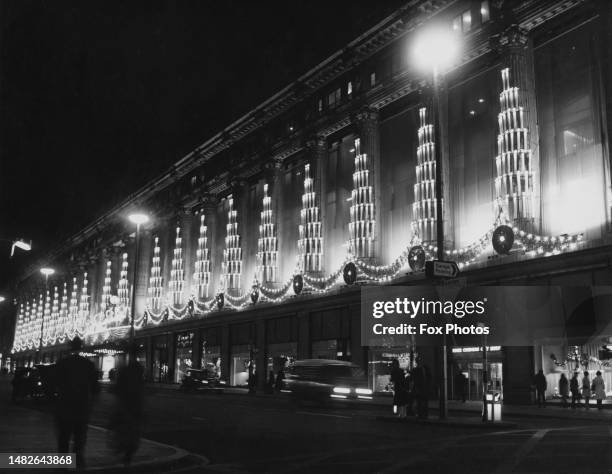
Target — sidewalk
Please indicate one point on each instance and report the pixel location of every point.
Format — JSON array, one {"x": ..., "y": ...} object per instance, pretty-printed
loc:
[{"x": 30, "y": 431}]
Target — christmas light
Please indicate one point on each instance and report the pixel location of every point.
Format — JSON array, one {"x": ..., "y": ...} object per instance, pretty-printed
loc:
[
  {"x": 310, "y": 242},
  {"x": 177, "y": 280},
  {"x": 156, "y": 279},
  {"x": 267, "y": 244},
  {"x": 202, "y": 264},
  {"x": 361, "y": 223},
  {"x": 231, "y": 267}
]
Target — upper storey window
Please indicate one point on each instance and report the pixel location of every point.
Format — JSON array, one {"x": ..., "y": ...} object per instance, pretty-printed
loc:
[{"x": 333, "y": 99}]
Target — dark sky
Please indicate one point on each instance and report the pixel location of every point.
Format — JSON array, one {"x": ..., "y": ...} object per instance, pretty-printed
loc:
[{"x": 96, "y": 98}]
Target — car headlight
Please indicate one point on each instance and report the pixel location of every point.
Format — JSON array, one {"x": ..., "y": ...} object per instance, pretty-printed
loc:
[
  {"x": 205, "y": 382},
  {"x": 222, "y": 382},
  {"x": 39, "y": 384},
  {"x": 363, "y": 391},
  {"x": 344, "y": 390}
]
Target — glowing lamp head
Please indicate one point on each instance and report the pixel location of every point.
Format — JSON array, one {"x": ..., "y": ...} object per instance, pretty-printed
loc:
[
  {"x": 23, "y": 245},
  {"x": 2, "y": 298},
  {"x": 47, "y": 271},
  {"x": 436, "y": 48},
  {"x": 138, "y": 218}
]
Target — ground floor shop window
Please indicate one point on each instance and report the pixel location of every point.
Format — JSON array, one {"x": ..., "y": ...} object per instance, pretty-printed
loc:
[
  {"x": 379, "y": 367},
  {"x": 279, "y": 356},
  {"x": 467, "y": 372},
  {"x": 183, "y": 355},
  {"x": 160, "y": 360},
  {"x": 211, "y": 358},
  {"x": 241, "y": 356},
  {"x": 334, "y": 349}
]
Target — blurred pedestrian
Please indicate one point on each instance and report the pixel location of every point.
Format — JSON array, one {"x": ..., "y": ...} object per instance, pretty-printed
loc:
[
  {"x": 127, "y": 418},
  {"x": 575, "y": 389},
  {"x": 400, "y": 388},
  {"x": 540, "y": 384},
  {"x": 278, "y": 386},
  {"x": 586, "y": 389},
  {"x": 77, "y": 386},
  {"x": 270, "y": 383},
  {"x": 564, "y": 390},
  {"x": 599, "y": 389},
  {"x": 20, "y": 385}
]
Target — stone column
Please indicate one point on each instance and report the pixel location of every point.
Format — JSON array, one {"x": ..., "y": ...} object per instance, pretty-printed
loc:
[
  {"x": 225, "y": 354},
  {"x": 260, "y": 358},
  {"x": 142, "y": 272},
  {"x": 516, "y": 51},
  {"x": 317, "y": 153},
  {"x": 304, "y": 347},
  {"x": 368, "y": 130},
  {"x": 208, "y": 205}
]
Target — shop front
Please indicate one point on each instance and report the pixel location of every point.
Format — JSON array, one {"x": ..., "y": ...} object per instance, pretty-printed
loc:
[
  {"x": 161, "y": 359},
  {"x": 379, "y": 366},
  {"x": 211, "y": 351},
  {"x": 466, "y": 371},
  {"x": 331, "y": 334},
  {"x": 183, "y": 359},
  {"x": 281, "y": 344},
  {"x": 243, "y": 353}
]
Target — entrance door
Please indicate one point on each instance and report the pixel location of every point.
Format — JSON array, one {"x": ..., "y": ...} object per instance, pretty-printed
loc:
[{"x": 474, "y": 376}]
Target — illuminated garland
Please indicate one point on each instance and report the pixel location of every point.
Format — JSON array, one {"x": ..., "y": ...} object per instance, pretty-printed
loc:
[
  {"x": 106, "y": 291},
  {"x": 84, "y": 304},
  {"x": 63, "y": 314},
  {"x": 73, "y": 309}
]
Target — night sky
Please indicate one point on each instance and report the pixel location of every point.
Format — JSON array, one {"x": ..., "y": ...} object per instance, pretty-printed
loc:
[{"x": 96, "y": 98}]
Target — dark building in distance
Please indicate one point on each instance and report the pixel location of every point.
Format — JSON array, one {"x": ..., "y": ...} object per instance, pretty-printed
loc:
[{"x": 339, "y": 167}]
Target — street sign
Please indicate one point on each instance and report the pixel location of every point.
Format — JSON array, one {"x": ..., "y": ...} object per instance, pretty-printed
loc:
[{"x": 440, "y": 269}]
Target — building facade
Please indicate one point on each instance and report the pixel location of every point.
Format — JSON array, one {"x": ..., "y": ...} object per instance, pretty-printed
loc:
[{"x": 245, "y": 258}]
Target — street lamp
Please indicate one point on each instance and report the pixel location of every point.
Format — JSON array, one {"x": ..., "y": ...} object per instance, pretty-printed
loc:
[
  {"x": 2, "y": 299},
  {"x": 435, "y": 49},
  {"x": 47, "y": 272},
  {"x": 20, "y": 244},
  {"x": 138, "y": 219}
]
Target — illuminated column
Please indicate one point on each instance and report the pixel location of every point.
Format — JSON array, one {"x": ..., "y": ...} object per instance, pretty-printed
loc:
[
  {"x": 19, "y": 328},
  {"x": 123, "y": 287},
  {"x": 232, "y": 254},
  {"x": 177, "y": 275},
  {"x": 189, "y": 250},
  {"x": 54, "y": 316},
  {"x": 106, "y": 290},
  {"x": 73, "y": 309},
  {"x": 83, "y": 305},
  {"x": 201, "y": 277},
  {"x": 267, "y": 244},
  {"x": 362, "y": 223},
  {"x": 424, "y": 206},
  {"x": 310, "y": 243},
  {"x": 514, "y": 180},
  {"x": 518, "y": 186},
  {"x": 367, "y": 121},
  {"x": 63, "y": 314},
  {"x": 156, "y": 279}
]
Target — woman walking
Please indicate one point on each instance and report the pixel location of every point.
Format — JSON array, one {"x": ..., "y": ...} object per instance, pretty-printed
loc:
[
  {"x": 586, "y": 389},
  {"x": 599, "y": 389},
  {"x": 400, "y": 388}
]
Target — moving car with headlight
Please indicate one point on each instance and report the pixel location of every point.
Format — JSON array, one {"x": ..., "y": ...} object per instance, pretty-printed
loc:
[
  {"x": 204, "y": 379},
  {"x": 324, "y": 381}
]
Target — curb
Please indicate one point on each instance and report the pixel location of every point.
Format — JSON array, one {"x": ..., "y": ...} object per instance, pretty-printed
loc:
[
  {"x": 152, "y": 465},
  {"x": 449, "y": 423}
]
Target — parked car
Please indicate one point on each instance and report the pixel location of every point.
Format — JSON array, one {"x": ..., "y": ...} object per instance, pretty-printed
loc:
[
  {"x": 201, "y": 379},
  {"x": 324, "y": 381}
]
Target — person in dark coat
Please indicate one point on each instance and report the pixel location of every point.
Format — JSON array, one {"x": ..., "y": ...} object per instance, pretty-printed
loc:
[
  {"x": 575, "y": 389},
  {"x": 77, "y": 386},
  {"x": 540, "y": 384},
  {"x": 420, "y": 381},
  {"x": 460, "y": 386},
  {"x": 400, "y": 388},
  {"x": 278, "y": 386},
  {"x": 126, "y": 421},
  {"x": 564, "y": 390}
]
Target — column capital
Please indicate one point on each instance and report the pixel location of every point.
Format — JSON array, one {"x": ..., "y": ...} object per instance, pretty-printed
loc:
[
  {"x": 366, "y": 114},
  {"x": 208, "y": 201},
  {"x": 512, "y": 37},
  {"x": 315, "y": 141}
]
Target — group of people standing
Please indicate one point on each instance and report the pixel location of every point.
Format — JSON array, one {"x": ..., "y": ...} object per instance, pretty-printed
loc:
[
  {"x": 577, "y": 389},
  {"x": 409, "y": 388}
]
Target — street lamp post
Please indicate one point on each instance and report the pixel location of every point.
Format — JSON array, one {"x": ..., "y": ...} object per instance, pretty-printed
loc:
[
  {"x": 138, "y": 219},
  {"x": 435, "y": 50},
  {"x": 47, "y": 272},
  {"x": 18, "y": 243}
]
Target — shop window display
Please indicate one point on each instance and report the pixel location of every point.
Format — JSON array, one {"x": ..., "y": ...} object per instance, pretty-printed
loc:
[{"x": 184, "y": 354}]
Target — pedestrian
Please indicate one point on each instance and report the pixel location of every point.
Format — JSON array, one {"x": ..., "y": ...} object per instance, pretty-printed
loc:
[
  {"x": 270, "y": 383},
  {"x": 420, "y": 377},
  {"x": 127, "y": 418},
  {"x": 599, "y": 389},
  {"x": 586, "y": 389},
  {"x": 564, "y": 390},
  {"x": 541, "y": 384},
  {"x": 77, "y": 386},
  {"x": 400, "y": 388},
  {"x": 460, "y": 382},
  {"x": 575, "y": 389},
  {"x": 278, "y": 386}
]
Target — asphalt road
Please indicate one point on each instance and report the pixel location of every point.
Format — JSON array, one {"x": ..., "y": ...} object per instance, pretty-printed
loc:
[{"x": 240, "y": 433}]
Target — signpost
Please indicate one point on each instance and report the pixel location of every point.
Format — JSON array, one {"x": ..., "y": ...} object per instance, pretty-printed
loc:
[{"x": 441, "y": 269}]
